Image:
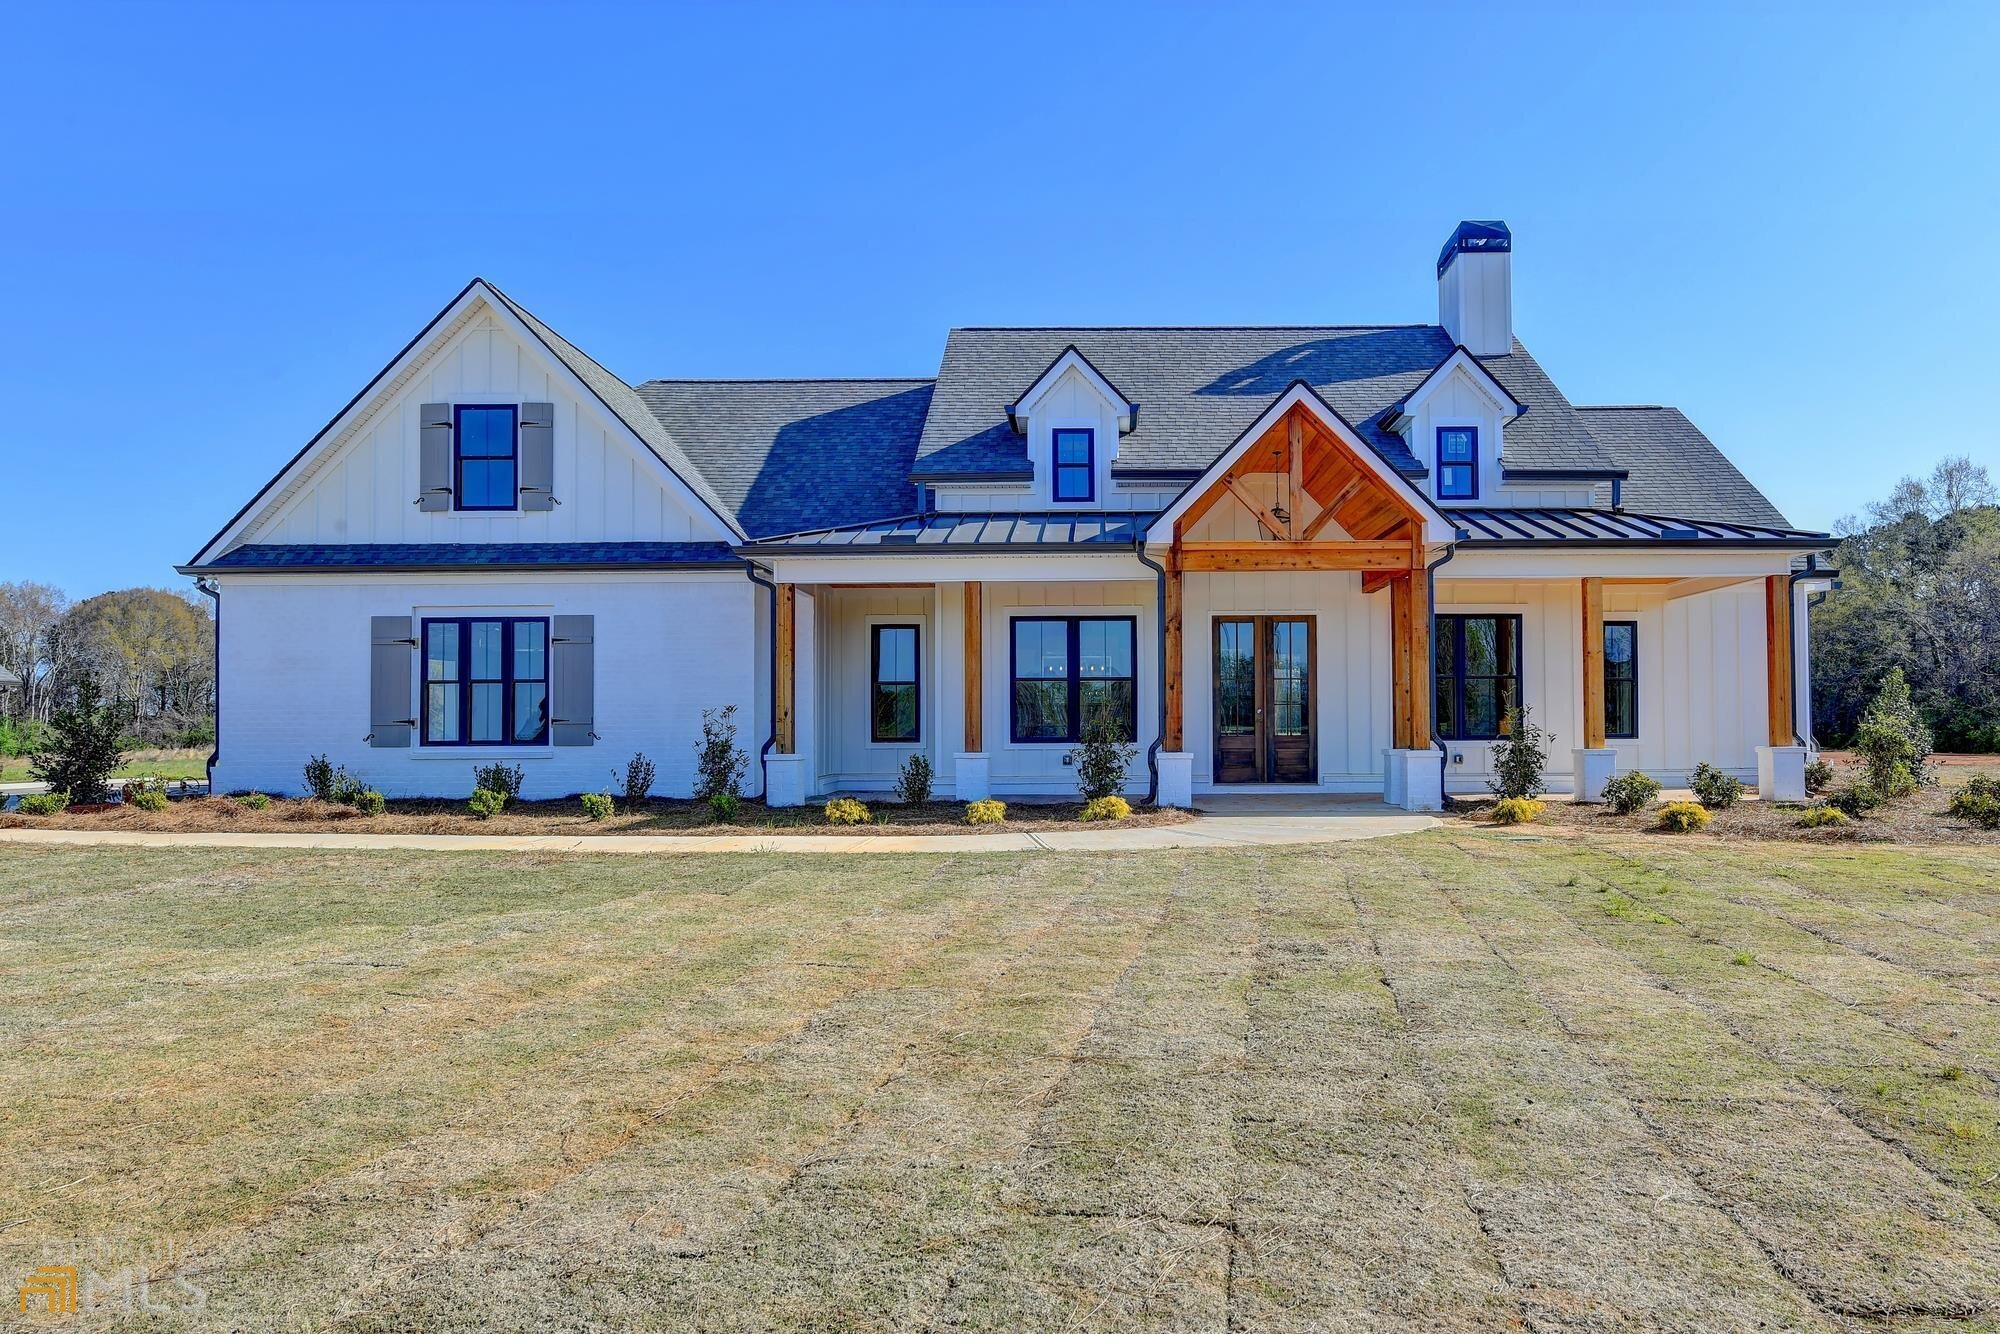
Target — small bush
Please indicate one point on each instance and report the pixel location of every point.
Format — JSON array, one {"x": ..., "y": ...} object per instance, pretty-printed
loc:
[
  {"x": 147, "y": 799},
  {"x": 846, "y": 810},
  {"x": 638, "y": 780},
  {"x": 987, "y": 811},
  {"x": 1517, "y": 810},
  {"x": 1631, "y": 792},
  {"x": 81, "y": 750},
  {"x": 319, "y": 778},
  {"x": 1102, "y": 758},
  {"x": 347, "y": 789},
  {"x": 485, "y": 803},
  {"x": 45, "y": 803},
  {"x": 1107, "y": 808},
  {"x": 1858, "y": 800},
  {"x": 596, "y": 805},
  {"x": 721, "y": 762},
  {"x": 1713, "y": 788},
  {"x": 371, "y": 802},
  {"x": 724, "y": 807},
  {"x": 1892, "y": 741},
  {"x": 913, "y": 783},
  {"x": 1819, "y": 776},
  {"x": 254, "y": 801},
  {"x": 1520, "y": 756},
  {"x": 1683, "y": 817},
  {"x": 1978, "y": 802},
  {"x": 506, "y": 779},
  {"x": 1822, "y": 817}
]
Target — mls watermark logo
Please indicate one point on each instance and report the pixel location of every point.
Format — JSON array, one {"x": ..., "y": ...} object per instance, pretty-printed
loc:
[
  {"x": 104, "y": 1275},
  {"x": 55, "y": 1285}
]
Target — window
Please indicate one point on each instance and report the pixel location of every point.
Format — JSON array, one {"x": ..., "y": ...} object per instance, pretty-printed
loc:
[
  {"x": 1075, "y": 468},
  {"x": 484, "y": 457},
  {"x": 1621, "y": 679},
  {"x": 486, "y": 682},
  {"x": 1458, "y": 463},
  {"x": 893, "y": 698},
  {"x": 1068, "y": 671},
  {"x": 1477, "y": 662}
]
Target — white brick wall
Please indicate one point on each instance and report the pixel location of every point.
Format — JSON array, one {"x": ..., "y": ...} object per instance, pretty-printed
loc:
[{"x": 295, "y": 674}]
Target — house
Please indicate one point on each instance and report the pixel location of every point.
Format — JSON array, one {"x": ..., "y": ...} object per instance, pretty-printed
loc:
[{"x": 1324, "y": 559}]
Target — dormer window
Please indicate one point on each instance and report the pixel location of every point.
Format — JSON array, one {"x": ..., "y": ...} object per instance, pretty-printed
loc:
[
  {"x": 1075, "y": 474},
  {"x": 1458, "y": 462},
  {"x": 486, "y": 457}
]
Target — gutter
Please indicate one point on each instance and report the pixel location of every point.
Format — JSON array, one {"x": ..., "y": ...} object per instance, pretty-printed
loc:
[
  {"x": 1160, "y": 676},
  {"x": 511, "y": 567},
  {"x": 1430, "y": 668},
  {"x": 1811, "y": 571},
  {"x": 771, "y": 710},
  {"x": 213, "y": 592}
]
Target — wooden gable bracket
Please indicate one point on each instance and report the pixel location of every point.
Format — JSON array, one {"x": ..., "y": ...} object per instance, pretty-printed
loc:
[
  {"x": 1341, "y": 497},
  {"x": 1264, "y": 516}
]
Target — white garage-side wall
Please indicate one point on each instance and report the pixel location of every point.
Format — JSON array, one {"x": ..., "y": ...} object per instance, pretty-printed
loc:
[{"x": 295, "y": 676}]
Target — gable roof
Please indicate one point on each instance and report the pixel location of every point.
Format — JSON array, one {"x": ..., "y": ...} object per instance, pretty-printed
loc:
[
  {"x": 1672, "y": 468},
  {"x": 788, "y": 455},
  {"x": 1199, "y": 388}
]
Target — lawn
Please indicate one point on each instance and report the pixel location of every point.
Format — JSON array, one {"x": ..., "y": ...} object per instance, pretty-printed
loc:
[
  {"x": 169, "y": 764},
  {"x": 1462, "y": 1079}
]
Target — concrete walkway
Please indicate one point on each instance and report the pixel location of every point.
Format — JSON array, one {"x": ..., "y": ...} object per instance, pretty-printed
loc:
[{"x": 1233, "y": 822}]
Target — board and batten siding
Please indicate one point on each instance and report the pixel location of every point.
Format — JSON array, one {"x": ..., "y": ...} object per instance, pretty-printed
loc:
[
  {"x": 607, "y": 489},
  {"x": 295, "y": 676},
  {"x": 846, "y": 758}
]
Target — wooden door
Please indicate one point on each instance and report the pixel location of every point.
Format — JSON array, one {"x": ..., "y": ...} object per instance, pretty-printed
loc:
[{"x": 1264, "y": 700}]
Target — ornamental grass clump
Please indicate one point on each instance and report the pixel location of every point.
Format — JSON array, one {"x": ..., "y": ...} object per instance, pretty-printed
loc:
[
  {"x": 986, "y": 811},
  {"x": 1684, "y": 817},
  {"x": 846, "y": 810},
  {"x": 1517, "y": 810},
  {"x": 1107, "y": 808}
]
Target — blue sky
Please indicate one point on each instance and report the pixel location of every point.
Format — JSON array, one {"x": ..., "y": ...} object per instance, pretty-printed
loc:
[{"x": 216, "y": 223}]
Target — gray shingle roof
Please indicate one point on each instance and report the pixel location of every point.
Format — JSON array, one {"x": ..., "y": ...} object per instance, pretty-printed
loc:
[
  {"x": 786, "y": 455},
  {"x": 1672, "y": 468},
  {"x": 1199, "y": 388}
]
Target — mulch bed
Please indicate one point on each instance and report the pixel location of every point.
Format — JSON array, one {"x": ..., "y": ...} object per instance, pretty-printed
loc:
[{"x": 567, "y": 819}]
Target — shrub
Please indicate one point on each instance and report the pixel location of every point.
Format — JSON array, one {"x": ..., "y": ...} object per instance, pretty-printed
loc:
[
  {"x": 1822, "y": 817},
  {"x": 81, "y": 751},
  {"x": 254, "y": 801},
  {"x": 1857, "y": 800},
  {"x": 505, "y": 779},
  {"x": 638, "y": 780},
  {"x": 846, "y": 810},
  {"x": 347, "y": 789},
  {"x": 371, "y": 802},
  {"x": 1107, "y": 808},
  {"x": 485, "y": 803},
  {"x": 146, "y": 799},
  {"x": 1102, "y": 758},
  {"x": 1684, "y": 817},
  {"x": 987, "y": 811},
  {"x": 722, "y": 763},
  {"x": 319, "y": 778},
  {"x": 597, "y": 805},
  {"x": 1819, "y": 776},
  {"x": 45, "y": 803},
  {"x": 724, "y": 807},
  {"x": 1520, "y": 756},
  {"x": 1631, "y": 792},
  {"x": 1517, "y": 810},
  {"x": 22, "y": 736},
  {"x": 913, "y": 783},
  {"x": 1713, "y": 788},
  {"x": 1892, "y": 741},
  {"x": 1978, "y": 802}
]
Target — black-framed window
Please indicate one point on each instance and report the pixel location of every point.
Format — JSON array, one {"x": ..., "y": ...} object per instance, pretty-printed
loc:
[
  {"x": 1068, "y": 670},
  {"x": 1074, "y": 454},
  {"x": 1458, "y": 462},
  {"x": 486, "y": 681},
  {"x": 895, "y": 696},
  {"x": 486, "y": 456},
  {"x": 1477, "y": 663},
  {"x": 1621, "y": 679}
]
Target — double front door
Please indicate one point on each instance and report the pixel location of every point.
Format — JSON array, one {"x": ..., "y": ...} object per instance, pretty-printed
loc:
[{"x": 1264, "y": 700}]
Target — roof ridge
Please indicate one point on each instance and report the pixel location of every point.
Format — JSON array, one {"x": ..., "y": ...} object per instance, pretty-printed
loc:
[
  {"x": 1623, "y": 407},
  {"x": 788, "y": 379},
  {"x": 1169, "y": 328}
]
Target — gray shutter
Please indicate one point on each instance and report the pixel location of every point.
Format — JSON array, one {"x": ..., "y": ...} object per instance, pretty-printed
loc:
[
  {"x": 574, "y": 663},
  {"x": 538, "y": 456},
  {"x": 434, "y": 472},
  {"x": 392, "y": 653}
]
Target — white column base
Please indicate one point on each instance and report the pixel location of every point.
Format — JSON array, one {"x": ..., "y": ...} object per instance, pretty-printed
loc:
[
  {"x": 1176, "y": 778},
  {"x": 1413, "y": 779},
  {"x": 1593, "y": 769},
  {"x": 971, "y": 776},
  {"x": 1781, "y": 773},
  {"x": 784, "y": 780}
]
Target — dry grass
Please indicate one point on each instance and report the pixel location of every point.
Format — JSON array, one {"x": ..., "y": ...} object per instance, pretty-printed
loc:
[
  {"x": 1453, "y": 1081},
  {"x": 168, "y": 763}
]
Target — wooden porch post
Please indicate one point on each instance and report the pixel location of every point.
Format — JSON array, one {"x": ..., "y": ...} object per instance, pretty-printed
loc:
[
  {"x": 1173, "y": 737},
  {"x": 783, "y": 725},
  {"x": 1778, "y": 658},
  {"x": 1593, "y": 664},
  {"x": 1399, "y": 636},
  {"x": 975, "y": 665},
  {"x": 1422, "y": 687}
]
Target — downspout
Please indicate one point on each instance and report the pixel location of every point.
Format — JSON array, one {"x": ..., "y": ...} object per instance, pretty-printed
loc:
[
  {"x": 213, "y": 592},
  {"x": 751, "y": 568},
  {"x": 1160, "y": 675},
  {"x": 1811, "y": 570},
  {"x": 1430, "y": 668}
]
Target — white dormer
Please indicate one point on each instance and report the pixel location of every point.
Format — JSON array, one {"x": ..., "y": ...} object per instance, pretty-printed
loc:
[
  {"x": 1455, "y": 423},
  {"x": 1072, "y": 417}
]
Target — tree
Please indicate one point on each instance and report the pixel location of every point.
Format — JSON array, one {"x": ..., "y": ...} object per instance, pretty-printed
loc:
[
  {"x": 29, "y": 614},
  {"x": 151, "y": 650},
  {"x": 83, "y": 752}
]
